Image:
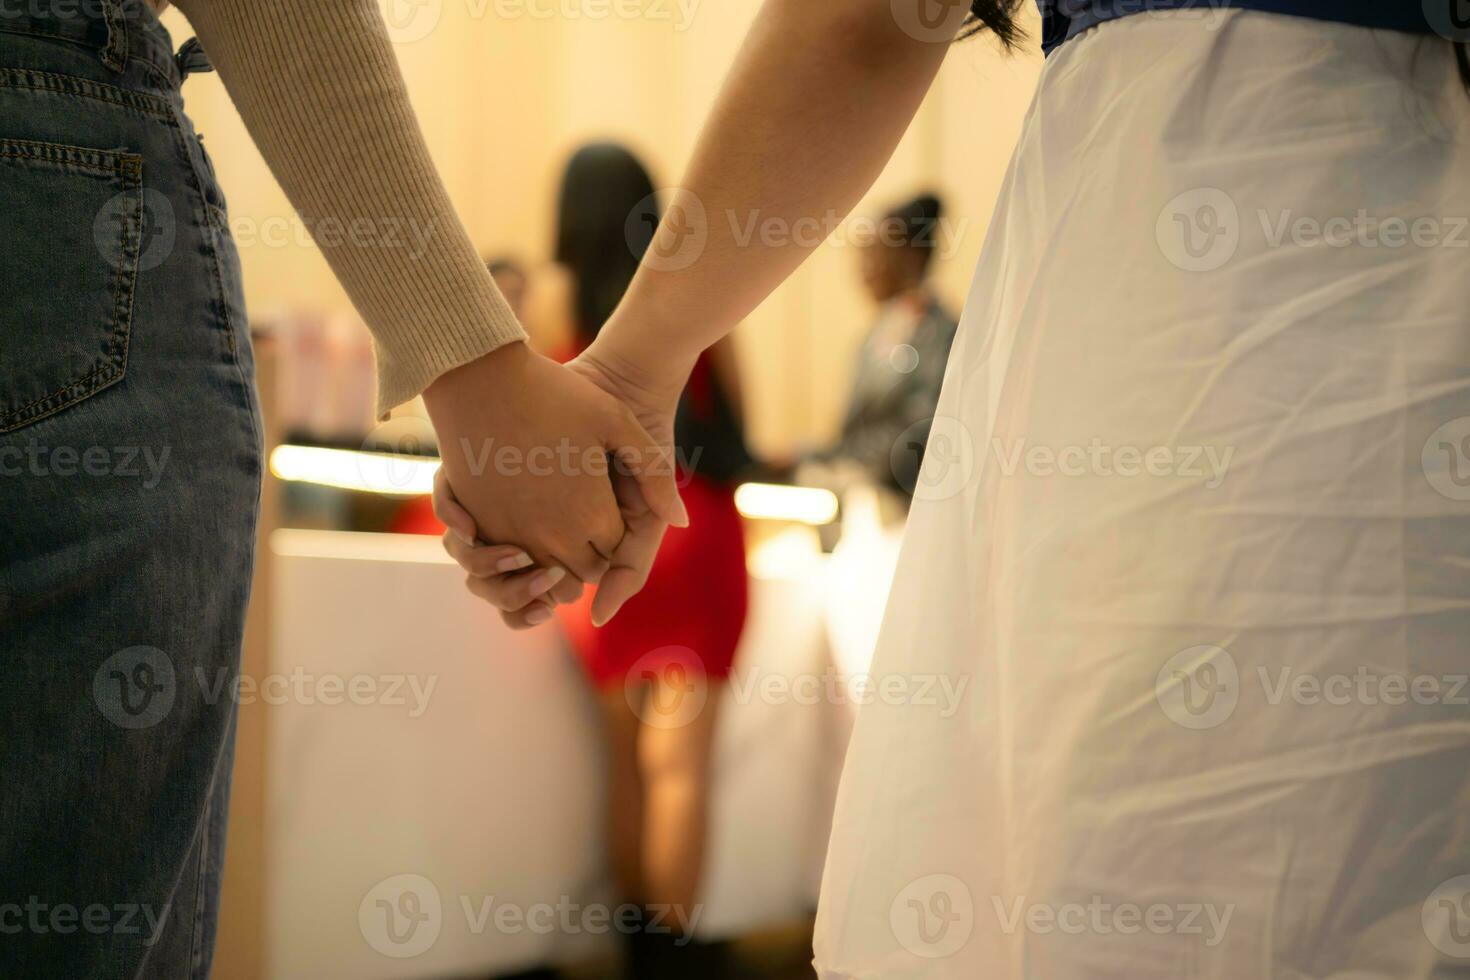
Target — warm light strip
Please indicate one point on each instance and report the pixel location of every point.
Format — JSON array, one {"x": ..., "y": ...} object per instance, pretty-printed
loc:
[
  {"x": 408, "y": 476},
  {"x": 410, "y": 549},
  {"x": 386, "y": 473},
  {"x": 804, "y": 505}
]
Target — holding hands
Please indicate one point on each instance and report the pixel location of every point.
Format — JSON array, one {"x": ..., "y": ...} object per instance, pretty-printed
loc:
[
  {"x": 784, "y": 153},
  {"x": 555, "y": 477}
]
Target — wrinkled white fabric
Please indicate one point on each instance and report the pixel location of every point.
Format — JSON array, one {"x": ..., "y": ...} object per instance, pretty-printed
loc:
[{"x": 1194, "y": 534}]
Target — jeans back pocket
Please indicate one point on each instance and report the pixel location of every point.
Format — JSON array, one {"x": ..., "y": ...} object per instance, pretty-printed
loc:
[{"x": 71, "y": 233}]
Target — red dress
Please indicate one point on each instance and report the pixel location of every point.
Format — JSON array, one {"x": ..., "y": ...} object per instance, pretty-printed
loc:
[{"x": 692, "y": 611}]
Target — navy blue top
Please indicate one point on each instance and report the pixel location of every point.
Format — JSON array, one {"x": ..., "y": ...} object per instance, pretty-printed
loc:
[{"x": 1065, "y": 19}]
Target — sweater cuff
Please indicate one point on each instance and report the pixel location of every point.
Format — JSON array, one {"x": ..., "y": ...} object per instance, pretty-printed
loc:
[{"x": 405, "y": 373}]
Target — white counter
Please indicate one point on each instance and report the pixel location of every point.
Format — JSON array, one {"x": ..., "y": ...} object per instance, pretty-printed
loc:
[{"x": 410, "y": 733}]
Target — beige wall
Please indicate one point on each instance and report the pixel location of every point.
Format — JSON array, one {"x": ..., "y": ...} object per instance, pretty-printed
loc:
[{"x": 504, "y": 99}]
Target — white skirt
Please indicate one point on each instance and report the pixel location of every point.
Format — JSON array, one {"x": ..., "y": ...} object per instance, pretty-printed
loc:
[{"x": 1191, "y": 548}]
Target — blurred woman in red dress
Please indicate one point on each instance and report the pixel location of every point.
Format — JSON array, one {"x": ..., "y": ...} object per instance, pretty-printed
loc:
[{"x": 660, "y": 665}]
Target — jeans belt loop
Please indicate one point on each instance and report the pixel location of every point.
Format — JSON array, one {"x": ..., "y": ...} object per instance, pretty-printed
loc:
[
  {"x": 115, "y": 52},
  {"x": 192, "y": 58}
]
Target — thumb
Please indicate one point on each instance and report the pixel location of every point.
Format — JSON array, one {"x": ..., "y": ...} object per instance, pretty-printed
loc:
[{"x": 639, "y": 455}]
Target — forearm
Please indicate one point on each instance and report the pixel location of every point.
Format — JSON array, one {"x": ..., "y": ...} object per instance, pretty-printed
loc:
[
  {"x": 818, "y": 99},
  {"x": 318, "y": 86}
]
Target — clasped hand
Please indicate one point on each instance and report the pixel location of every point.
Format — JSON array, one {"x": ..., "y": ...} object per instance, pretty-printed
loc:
[{"x": 554, "y": 477}]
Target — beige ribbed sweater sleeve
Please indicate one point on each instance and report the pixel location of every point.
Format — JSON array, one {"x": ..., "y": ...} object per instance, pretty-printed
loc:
[{"x": 319, "y": 88}]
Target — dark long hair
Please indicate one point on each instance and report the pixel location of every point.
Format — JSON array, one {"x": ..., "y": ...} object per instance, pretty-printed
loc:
[
  {"x": 606, "y": 214},
  {"x": 999, "y": 17}
]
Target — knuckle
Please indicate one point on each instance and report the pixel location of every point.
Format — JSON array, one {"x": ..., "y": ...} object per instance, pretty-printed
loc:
[
  {"x": 608, "y": 533},
  {"x": 596, "y": 569},
  {"x": 481, "y": 561},
  {"x": 518, "y": 596},
  {"x": 567, "y": 590}
]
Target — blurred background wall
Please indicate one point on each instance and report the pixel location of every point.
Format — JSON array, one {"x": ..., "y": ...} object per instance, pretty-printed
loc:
[{"x": 506, "y": 89}]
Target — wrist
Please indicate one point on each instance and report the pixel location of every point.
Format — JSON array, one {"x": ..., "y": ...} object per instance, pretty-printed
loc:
[
  {"x": 487, "y": 374},
  {"x": 641, "y": 359}
]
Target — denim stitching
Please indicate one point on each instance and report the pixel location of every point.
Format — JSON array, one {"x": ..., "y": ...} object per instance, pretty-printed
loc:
[
  {"x": 129, "y": 169},
  {"x": 195, "y": 934},
  {"x": 222, "y": 295},
  {"x": 37, "y": 32},
  {"x": 158, "y": 70},
  {"x": 115, "y": 54},
  {"x": 40, "y": 81}
]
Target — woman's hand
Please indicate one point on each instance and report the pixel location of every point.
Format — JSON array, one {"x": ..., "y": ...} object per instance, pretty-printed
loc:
[
  {"x": 526, "y": 444},
  {"x": 503, "y": 575},
  {"x": 650, "y": 391}
]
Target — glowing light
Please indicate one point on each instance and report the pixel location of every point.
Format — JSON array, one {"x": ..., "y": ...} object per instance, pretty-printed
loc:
[
  {"x": 804, "y": 505},
  {"x": 346, "y": 469},
  {"x": 413, "y": 549}
]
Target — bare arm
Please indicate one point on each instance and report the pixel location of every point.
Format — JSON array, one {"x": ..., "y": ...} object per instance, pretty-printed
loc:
[
  {"x": 815, "y": 105},
  {"x": 725, "y": 361}
]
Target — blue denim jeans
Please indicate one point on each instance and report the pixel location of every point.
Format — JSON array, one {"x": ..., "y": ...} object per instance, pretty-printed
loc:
[{"x": 130, "y": 461}]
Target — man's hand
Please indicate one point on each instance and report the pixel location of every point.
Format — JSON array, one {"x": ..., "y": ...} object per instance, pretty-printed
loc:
[{"x": 525, "y": 444}]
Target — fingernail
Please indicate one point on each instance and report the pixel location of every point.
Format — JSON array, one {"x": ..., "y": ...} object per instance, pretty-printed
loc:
[
  {"x": 543, "y": 581},
  {"x": 538, "y": 615},
  {"x": 466, "y": 538},
  {"x": 683, "y": 520},
  {"x": 514, "y": 563}
]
